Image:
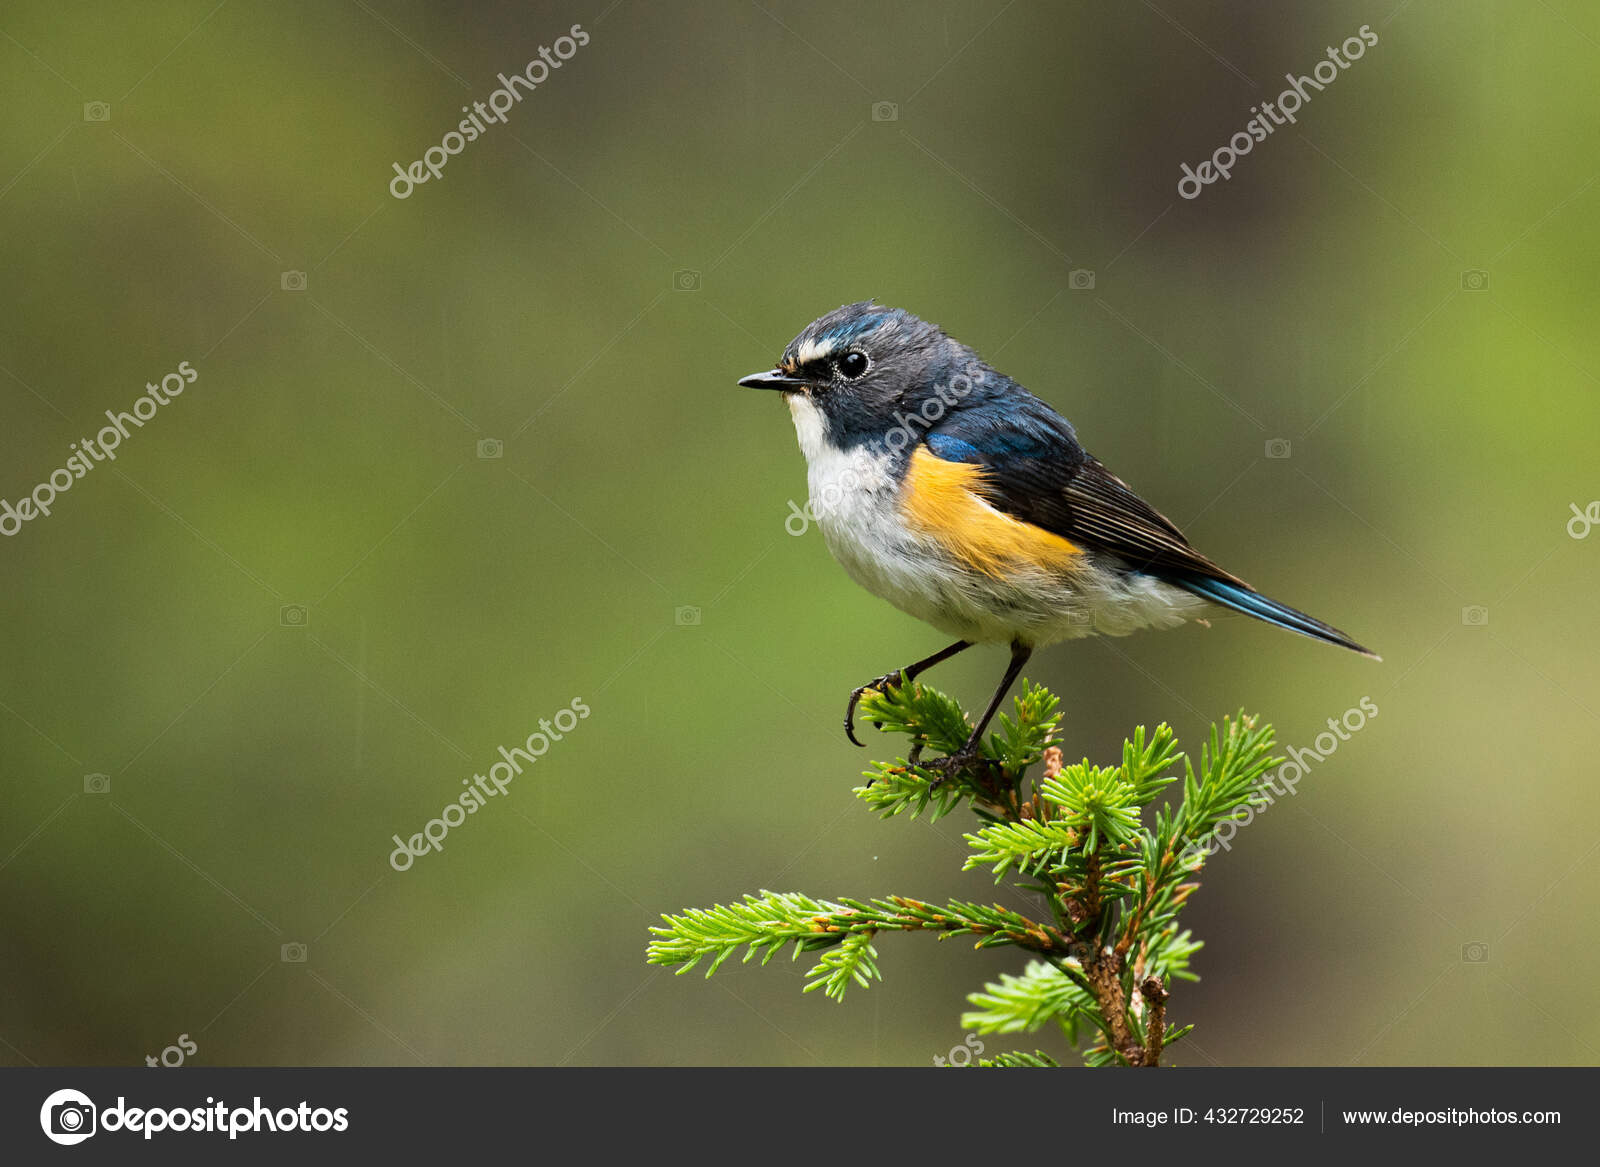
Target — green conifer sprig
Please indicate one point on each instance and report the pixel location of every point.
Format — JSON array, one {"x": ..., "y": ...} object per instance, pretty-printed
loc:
[
  {"x": 1110, "y": 855},
  {"x": 1037, "y": 1060}
]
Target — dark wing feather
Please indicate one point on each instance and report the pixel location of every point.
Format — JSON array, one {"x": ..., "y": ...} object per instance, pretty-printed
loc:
[
  {"x": 1035, "y": 470},
  {"x": 1103, "y": 512}
]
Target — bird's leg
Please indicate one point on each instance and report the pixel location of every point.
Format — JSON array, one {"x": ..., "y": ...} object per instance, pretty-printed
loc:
[
  {"x": 969, "y": 754},
  {"x": 897, "y": 678}
]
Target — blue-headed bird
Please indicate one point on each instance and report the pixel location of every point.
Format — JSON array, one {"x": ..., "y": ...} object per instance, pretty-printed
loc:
[{"x": 946, "y": 488}]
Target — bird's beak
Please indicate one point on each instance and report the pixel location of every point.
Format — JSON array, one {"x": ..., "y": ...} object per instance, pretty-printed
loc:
[{"x": 773, "y": 379}]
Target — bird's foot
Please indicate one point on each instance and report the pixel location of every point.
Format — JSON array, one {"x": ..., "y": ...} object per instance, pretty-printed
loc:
[
  {"x": 881, "y": 684},
  {"x": 967, "y": 759}
]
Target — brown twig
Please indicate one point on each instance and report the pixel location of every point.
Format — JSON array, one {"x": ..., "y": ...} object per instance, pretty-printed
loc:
[
  {"x": 1092, "y": 901},
  {"x": 1155, "y": 1025},
  {"x": 1102, "y": 966}
]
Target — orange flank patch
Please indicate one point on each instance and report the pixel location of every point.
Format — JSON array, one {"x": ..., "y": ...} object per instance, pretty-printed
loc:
[{"x": 938, "y": 499}]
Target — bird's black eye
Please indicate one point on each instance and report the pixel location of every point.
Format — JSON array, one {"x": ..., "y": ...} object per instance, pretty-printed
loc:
[{"x": 852, "y": 365}]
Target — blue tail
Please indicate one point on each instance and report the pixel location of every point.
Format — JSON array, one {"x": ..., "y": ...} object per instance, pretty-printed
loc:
[{"x": 1242, "y": 599}]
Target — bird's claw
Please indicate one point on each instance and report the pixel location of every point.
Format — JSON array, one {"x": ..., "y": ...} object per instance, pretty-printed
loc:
[
  {"x": 967, "y": 758},
  {"x": 895, "y": 679}
]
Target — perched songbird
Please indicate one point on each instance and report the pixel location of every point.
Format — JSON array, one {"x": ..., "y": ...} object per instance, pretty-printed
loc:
[{"x": 949, "y": 490}]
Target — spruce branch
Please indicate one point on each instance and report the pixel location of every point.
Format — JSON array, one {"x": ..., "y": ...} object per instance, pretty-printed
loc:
[
  {"x": 1108, "y": 851},
  {"x": 1028, "y": 845},
  {"x": 1037, "y": 1060},
  {"x": 1044, "y": 993},
  {"x": 763, "y": 924}
]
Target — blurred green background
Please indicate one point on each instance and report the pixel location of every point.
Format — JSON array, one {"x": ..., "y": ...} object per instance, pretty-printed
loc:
[{"x": 584, "y": 285}]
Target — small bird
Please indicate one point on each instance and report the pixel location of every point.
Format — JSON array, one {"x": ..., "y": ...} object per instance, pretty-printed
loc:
[{"x": 946, "y": 488}]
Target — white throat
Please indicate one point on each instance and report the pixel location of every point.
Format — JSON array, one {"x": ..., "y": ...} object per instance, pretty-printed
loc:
[{"x": 810, "y": 426}]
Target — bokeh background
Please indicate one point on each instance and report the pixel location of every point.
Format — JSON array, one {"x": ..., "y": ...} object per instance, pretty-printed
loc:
[{"x": 300, "y": 607}]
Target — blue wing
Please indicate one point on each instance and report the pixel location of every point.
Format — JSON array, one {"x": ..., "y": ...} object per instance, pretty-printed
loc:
[{"x": 1035, "y": 470}]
